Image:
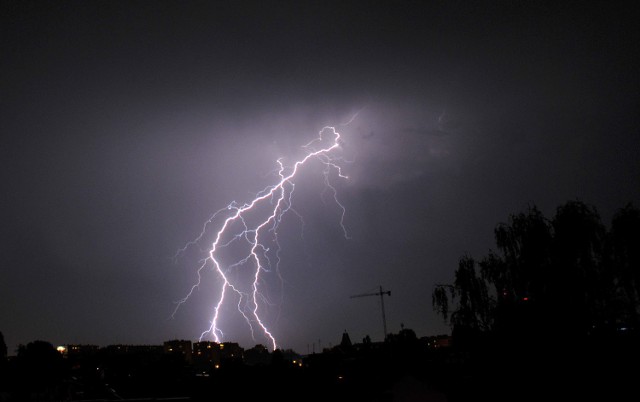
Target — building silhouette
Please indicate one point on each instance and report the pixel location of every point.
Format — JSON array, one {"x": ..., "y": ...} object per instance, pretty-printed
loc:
[{"x": 179, "y": 347}]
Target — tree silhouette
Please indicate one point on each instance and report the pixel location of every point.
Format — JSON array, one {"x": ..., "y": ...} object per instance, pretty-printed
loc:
[
  {"x": 624, "y": 243},
  {"x": 554, "y": 307},
  {"x": 39, "y": 370},
  {"x": 566, "y": 274},
  {"x": 3, "y": 365},
  {"x": 3, "y": 348},
  {"x": 474, "y": 303}
]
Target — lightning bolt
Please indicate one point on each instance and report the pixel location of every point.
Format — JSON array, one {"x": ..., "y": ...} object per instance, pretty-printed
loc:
[{"x": 254, "y": 226}]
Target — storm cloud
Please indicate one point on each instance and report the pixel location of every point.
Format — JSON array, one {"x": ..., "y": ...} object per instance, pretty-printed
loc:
[{"x": 126, "y": 125}]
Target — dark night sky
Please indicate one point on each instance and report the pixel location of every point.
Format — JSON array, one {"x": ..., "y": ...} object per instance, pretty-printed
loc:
[{"x": 125, "y": 125}]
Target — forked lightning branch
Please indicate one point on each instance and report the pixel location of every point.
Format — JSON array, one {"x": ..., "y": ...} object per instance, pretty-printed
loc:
[{"x": 253, "y": 228}]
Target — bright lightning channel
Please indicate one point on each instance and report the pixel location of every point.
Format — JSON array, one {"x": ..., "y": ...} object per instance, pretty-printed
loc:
[{"x": 272, "y": 203}]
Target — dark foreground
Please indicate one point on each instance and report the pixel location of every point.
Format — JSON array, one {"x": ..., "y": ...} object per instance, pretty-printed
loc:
[{"x": 483, "y": 369}]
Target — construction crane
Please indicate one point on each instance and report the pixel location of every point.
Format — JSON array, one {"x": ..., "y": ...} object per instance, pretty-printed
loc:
[{"x": 380, "y": 293}]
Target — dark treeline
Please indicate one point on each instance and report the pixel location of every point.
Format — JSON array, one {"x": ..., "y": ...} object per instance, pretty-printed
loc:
[{"x": 554, "y": 307}]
